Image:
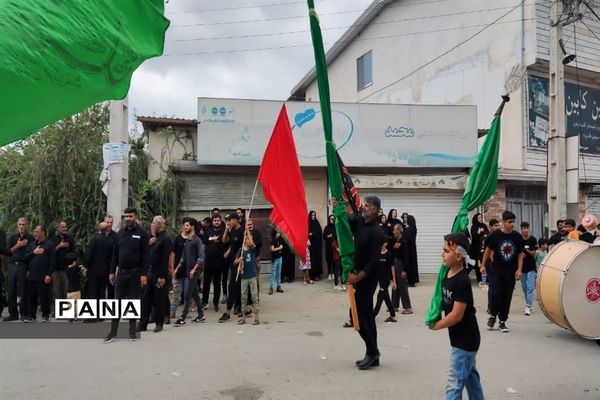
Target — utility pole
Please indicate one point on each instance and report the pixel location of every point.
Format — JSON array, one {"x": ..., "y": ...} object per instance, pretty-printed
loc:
[
  {"x": 563, "y": 152},
  {"x": 118, "y": 182}
]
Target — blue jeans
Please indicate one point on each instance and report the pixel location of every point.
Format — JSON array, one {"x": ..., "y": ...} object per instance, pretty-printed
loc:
[
  {"x": 276, "y": 273},
  {"x": 528, "y": 285},
  {"x": 462, "y": 373}
]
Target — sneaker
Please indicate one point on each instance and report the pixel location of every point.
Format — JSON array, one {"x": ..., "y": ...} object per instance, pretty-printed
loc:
[
  {"x": 45, "y": 319},
  {"x": 133, "y": 337},
  {"x": 204, "y": 307},
  {"x": 344, "y": 288},
  {"x": 224, "y": 318},
  {"x": 199, "y": 319},
  {"x": 28, "y": 320},
  {"x": 485, "y": 287},
  {"x": 270, "y": 291},
  {"x": 480, "y": 284},
  {"x": 338, "y": 288},
  {"x": 279, "y": 289},
  {"x": 491, "y": 322},
  {"x": 157, "y": 328},
  {"x": 390, "y": 319},
  {"x": 527, "y": 310},
  {"x": 311, "y": 282},
  {"x": 502, "y": 326},
  {"x": 407, "y": 311},
  {"x": 180, "y": 322},
  {"x": 329, "y": 277},
  {"x": 110, "y": 338}
]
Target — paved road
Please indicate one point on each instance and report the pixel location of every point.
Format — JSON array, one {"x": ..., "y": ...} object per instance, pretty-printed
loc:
[{"x": 300, "y": 351}]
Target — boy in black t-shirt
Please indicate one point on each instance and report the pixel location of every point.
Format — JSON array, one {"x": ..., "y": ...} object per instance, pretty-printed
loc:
[
  {"x": 505, "y": 248},
  {"x": 460, "y": 320},
  {"x": 74, "y": 273},
  {"x": 529, "y": 272},
  {"x": 386, "y": 271}
]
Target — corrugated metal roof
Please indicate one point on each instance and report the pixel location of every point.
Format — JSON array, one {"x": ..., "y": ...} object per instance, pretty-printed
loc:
[{"x": 162, "y": 121}]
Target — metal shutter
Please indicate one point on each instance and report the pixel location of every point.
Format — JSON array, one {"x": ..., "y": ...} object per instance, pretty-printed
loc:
[{"x": 434, "y": 212}]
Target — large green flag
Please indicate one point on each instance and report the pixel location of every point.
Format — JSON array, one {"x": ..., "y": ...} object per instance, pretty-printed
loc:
[
  {"x": 342, "y": 225},
  {"x": 61, "y": 56},
  {"x": 481, "y": 186}
]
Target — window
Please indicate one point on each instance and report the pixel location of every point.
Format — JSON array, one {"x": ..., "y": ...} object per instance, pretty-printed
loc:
[{"x": 364, "y": 69}]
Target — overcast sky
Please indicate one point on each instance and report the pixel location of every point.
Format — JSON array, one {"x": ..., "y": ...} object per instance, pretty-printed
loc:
[{"x": 256, "y": 49}]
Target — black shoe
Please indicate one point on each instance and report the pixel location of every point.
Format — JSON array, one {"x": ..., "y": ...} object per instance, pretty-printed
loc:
[
  {"x": 358, "y": 362},
  {"x": 270, "y": 291},
  {"x": 157, "y": 328},
  {"x": 28, "y": 320},
  {"x": 141, "y": 328},
  {"x": 199, "y": 319},
  {"x": 279, "y": 289},
  {"x": 491, "y": 322},
  {"x": 369, "y": 361},
  {"x": 111, "y": 337},
  {"x": 180, "y": 322},
  {"x": 502, "y": 326},
  {"x": 45, "y": 319},
  {"x": 224, "y": 318},
  {"x": 204, "y": 306},
  {"x": 10, "y": 318},
  {"x": 133, "y": 337}
]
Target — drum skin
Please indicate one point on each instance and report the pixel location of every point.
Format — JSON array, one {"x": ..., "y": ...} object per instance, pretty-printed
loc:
[{"x": 568, "y": 287}]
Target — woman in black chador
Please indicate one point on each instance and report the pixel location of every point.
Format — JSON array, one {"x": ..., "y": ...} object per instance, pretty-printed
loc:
[
  {"x": 329, "y": 236},
  {"x": 316, "y": 246},
  {"x": 410, "y": 235}
]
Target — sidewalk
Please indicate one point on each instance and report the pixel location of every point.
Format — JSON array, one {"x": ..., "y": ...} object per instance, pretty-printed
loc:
[{"x": 301, "y": 351}]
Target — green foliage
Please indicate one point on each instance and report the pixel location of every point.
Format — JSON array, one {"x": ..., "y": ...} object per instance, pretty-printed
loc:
[{"x": 53, "y": 175}]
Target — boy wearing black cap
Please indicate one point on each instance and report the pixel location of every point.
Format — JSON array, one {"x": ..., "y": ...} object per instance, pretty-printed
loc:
[{"x": 460, "y": 320}]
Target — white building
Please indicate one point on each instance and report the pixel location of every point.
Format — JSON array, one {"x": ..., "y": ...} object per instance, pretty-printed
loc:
[{"x": 403, "y": 52}]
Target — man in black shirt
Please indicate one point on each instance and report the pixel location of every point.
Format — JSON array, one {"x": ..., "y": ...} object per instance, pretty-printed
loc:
[
  {"x": 460, "y": 320},
  {"x": 17, "y": 268},
  {"x": 505, "y": 248},
  {"x": 559, "y": 236},
  {"x": 98, "y": 258},
  {"x": 368, "y": 239},
  {"x": 40, "y": 255},
  {"x": 234, "y": 237},
  {"x": 63, "y": 244},
  {"x": 156, "y": 291},
  {"x": 179, "y": 275},
  {"x": 130, "y": 255},
  {"x": 529, "y": 273},
  {"x": 214, "y": 262},
  {"x": 112, "y": 235},
  {"x": 257, "y": 239}
]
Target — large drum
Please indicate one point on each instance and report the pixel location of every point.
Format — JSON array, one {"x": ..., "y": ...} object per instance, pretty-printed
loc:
[{"x": 568, "y": 287}]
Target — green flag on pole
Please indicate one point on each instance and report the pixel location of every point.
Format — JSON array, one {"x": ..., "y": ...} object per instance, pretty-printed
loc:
[
  {"x": 342, "y": 225},
  {"x": 481, "y": 186},
  {"x": 61, "y": 56}
]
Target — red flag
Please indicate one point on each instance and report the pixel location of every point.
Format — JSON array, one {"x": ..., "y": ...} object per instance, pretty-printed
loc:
[{"x": 283, "y": 187}]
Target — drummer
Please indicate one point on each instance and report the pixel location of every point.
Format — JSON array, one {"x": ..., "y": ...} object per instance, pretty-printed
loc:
[{"x": 590, "y": 224}]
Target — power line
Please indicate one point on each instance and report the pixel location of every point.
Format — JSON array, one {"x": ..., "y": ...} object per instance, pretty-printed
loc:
[
  {"x": 591, "y": 9},
  {"x": 356, "y": 40},
  {"x": 420, "y": 3},
  {"x": 248, "y": 21},
  {"x": 338, "y": 27},
  {"x": 589, "y": 29},
  {"x": 446, "y": 52}
]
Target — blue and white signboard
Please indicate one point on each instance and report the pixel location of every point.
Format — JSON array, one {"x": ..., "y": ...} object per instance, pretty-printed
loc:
[{"x": 236, "y": 132}]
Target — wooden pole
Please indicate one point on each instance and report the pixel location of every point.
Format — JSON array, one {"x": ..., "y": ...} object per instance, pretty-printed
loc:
[{"x": 353, "y": 311}]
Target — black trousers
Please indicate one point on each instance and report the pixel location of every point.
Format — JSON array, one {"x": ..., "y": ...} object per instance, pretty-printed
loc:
[
  {"x": 503, "y": 285},
  {"x": 191, "y": 292},
  {"x": 16, "y": 286},
  {"x": 38, "y": 290},
  {"x": 384, "y": 295},
  {"x": 364, "y": 292},
  {"x": 212, "y": 276},
  {"x": 96, "y": 287},
  {"x": 110, "y": 291},
  {"x": 234, "y": 298},
  {"x": 127, "y": 286},
  {"x": 224, "y": 280},
  {"x": 401, "y": 292},
  {"x": 154, "y": 300},
  {"x": 477, "y": 271}
]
